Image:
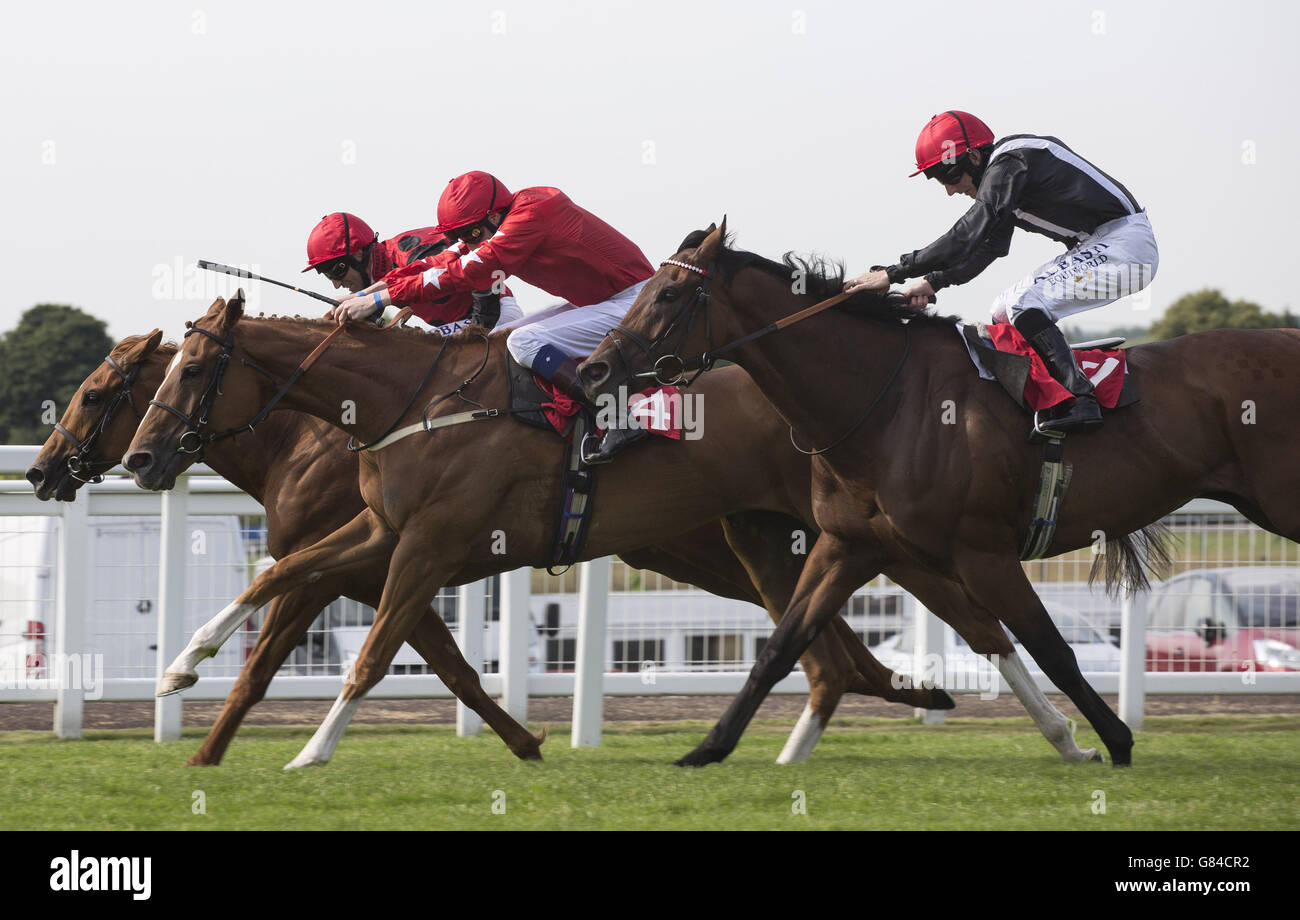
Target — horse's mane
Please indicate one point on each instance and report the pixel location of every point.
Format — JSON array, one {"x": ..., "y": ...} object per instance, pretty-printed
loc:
[
  {"x": 470, "y": 333},
  {"x": 821, "y": 278}
]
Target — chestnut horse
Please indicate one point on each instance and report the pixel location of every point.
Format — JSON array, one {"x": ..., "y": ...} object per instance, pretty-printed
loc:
[
  {"x": 297, "y": 467},
  {"x": 439, "y": 522},
  {"x": 869, "y": 383}
]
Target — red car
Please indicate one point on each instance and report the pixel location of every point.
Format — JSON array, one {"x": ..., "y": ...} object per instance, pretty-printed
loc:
[{"x": 1236, "y": 619}]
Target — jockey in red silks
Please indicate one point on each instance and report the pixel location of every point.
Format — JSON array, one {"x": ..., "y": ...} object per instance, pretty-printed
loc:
[
  {"x": 545, "y": 239},
  {"x": 1040, "y": 185},
  {"x": 344, "y": 249}
]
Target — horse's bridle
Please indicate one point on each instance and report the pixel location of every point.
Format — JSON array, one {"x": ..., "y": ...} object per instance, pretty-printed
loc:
[
  {"x": 663, "y": 371},
  {"x": 194, "y": 440},
  {"x": 81, "y": 462}
]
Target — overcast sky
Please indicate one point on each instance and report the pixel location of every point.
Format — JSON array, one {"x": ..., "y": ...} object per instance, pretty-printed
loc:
[{"x": 141, "y": 137}]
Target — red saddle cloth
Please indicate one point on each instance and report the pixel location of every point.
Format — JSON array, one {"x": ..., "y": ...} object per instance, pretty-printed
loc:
[
  {"x": 1105, "y": 369},
  {"x": 561, "y": 407},
  {"x": 657, "y": 409}
]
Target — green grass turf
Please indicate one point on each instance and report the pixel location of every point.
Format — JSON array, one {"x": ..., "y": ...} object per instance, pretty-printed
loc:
[{"x": 1189, "y": 772}]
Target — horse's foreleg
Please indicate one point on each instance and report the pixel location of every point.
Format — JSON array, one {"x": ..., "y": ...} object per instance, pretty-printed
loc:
[
  {"x": 363, "y": 541},
  {"x": 287, "y": 621},
  {"x": 415, "y": 574},
  {"x": 433, "y": 640},
  {"x": 833, "y": 572},
  {"x": 1056, "y": 728}
]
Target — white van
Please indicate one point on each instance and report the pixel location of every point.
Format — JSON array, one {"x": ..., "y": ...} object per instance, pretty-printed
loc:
[{"x": 121, "y": 583}]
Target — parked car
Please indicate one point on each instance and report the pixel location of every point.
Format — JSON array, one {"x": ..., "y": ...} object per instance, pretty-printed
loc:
[
  {"x": 1231, "y": 619},
  {"x": 1093, "y": 647}
]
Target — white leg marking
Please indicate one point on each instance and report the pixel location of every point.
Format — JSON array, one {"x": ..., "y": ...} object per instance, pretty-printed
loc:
[
  {"x": 204, "y": 644},
  {"x": 807, "y": 732},
  {"x": 1056, "y": 728},
  {"x": 321, "y": 747}
]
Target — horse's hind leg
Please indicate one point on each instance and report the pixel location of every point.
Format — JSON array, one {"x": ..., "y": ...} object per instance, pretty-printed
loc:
[
  {"x": 363, "y": 541},
  {"x": 983, "y": 633},
  {"x": 997, "y": 582}
]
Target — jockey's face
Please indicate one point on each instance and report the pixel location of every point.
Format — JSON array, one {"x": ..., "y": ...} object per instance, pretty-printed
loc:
[
  {"x": 352, "y": 281},
  {"x": 965, "y": 187}
]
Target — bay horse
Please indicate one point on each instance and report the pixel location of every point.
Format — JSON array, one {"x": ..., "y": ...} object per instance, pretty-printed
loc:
[
  {"x": 439, "y": 521},
  {"x": 868, "y": 384},
  {"x": 298, "y": 468}
]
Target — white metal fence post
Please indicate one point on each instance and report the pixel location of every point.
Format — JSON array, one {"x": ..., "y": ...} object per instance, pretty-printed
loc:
[
  {"x": 70, "y": 621},
  {"x": 589, "y": 681},
  {"x": 173, "y": 541},
  {"x": 471, "y": 608},
  {"x": 929, "y": 642},
  {"x": 515, "y": 627},
  {"x": 1132, "y": 662}
]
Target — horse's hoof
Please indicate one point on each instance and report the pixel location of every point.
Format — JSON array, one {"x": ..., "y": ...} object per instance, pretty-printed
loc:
[
  {"x": 941, "y": 699},
  {"x": 701, "y": 757},
  {"x": 196, "y": 761},
  {"x": 305, "y": 760},
  {"x": 1094, "y": 754},
  {"x": 175, "y": 683}
]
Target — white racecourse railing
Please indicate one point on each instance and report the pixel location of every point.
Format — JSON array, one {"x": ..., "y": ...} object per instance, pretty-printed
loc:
[{"x": 201, "y": 492}]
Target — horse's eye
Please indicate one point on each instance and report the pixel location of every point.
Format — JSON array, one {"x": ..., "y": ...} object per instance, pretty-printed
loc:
[
  {"x": 669, "y": 295},
  {"x": 90, "y": 398},
  {"x": 191, "y": 370}
]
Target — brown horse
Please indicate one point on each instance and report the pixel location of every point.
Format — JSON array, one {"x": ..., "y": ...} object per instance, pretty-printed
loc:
[
  {"x": 868, "y": 383},
  {"x": 438, "y": 521},
  {"x": 845, "y": 664},
  {"x": 297, "y": 467}
]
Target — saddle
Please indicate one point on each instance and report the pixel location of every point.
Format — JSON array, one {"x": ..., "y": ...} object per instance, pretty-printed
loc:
[
  {"x": 533, "y": 406},
  {"x": 1012, "y": 370}
]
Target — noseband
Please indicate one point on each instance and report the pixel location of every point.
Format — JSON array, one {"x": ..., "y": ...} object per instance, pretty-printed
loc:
[
  {"x": 670, "y": 368},
  {"x": 81, "y": 462},
  {"x": 194, "y": 440}
]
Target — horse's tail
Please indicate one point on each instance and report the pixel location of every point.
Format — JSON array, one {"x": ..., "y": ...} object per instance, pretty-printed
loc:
[{"x": 1133, "y": 559}]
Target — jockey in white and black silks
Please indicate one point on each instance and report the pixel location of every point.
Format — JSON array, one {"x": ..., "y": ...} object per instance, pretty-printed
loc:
[
  {"x": 344, "y": 249},
  {"x": 1040, "y": 185},
  {"x": 543, "y": 238}
]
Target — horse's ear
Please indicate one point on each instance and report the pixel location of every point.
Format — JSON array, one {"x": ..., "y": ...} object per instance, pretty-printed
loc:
[
  {"x": 135, "y": 348},
  {"x": 712, "y": 244},
  {"x": 234, "y": 310}
]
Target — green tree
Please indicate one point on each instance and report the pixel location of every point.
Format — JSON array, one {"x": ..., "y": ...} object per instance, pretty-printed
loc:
[
  {"x": 46, "y": 356},
  {"x": 1209, "y": 309}
]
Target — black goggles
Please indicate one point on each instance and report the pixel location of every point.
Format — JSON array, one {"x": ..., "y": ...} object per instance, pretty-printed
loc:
[
  {"x": 947, "y": 173},
  {"x": 336, "y": 270},
  {"x": 465, "y": 234}
]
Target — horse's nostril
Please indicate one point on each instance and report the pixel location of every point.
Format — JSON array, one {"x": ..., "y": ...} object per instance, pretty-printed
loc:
[
  {"x": 35, "y": 476},
  {"x": 138, "y": 460},
  {"x": 594, "y": 371}
]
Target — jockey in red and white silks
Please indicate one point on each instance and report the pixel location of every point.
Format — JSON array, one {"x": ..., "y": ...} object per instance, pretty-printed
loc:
[
  {"x": 344, "y": 249},
  {"x": 541, "y": 236}
]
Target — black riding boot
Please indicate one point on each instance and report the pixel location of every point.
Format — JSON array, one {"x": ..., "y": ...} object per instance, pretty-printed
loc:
[
  {"x": 566, "y": 380},
  {"x": 1046, "y": 339}
]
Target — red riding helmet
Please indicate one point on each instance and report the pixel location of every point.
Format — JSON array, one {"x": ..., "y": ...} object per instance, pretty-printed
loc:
[
  {"x": 469, "y": 198},
  {"x": 949, "y": 135},
  {"x": 337, "y": 235}
]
